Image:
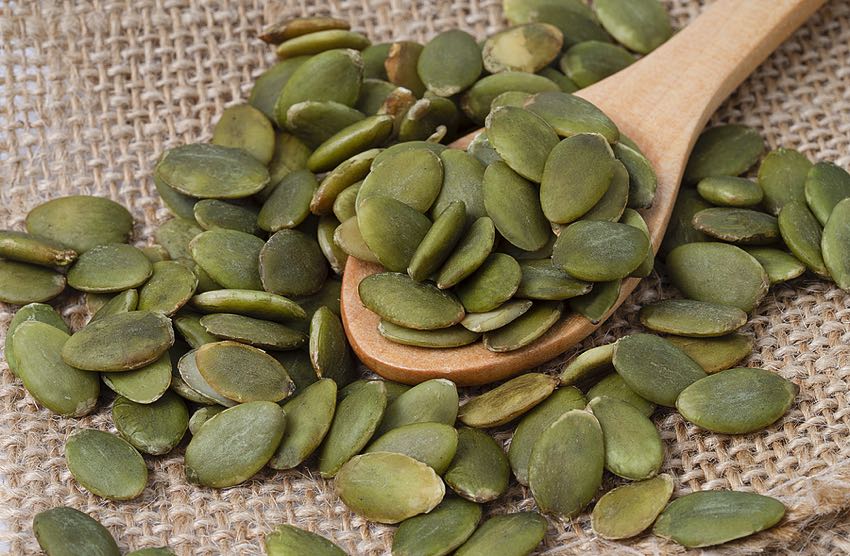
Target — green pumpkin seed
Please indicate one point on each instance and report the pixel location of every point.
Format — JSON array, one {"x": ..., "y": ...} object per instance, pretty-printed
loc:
[
  {"x": 424, "y": 118},
  {"x": 497, "y": 318},
  {"x": 105, "y": 464},
  {"x": 252, "y": 303},
  {"x": 314, "y": 122},
  {"x": 686, "y": 317},
  {"x": 633, "y": 218},
  {"x": 268, "y": 85},
  {"x": 182, "y": 206},
  {"x": 145, "y": 385},
  {"x": 329, "y": 352},
  {"x": 599, "y": 302},
  {"x": 476, "y": 102},
  {"x": 110, "y": 268},
  {"x": 64, "y": 531},
  {"x": 826, "y": 185},
  {"x": 341, "y": 179},
  {"x": 374, "y": 57},
  {"x": 433, "y": 401},
  {"x": 169, "y": 288},
  {"x": 566, "y": 464},
  {"x": 716, "y": 354},
  {"x": 122, "y": 302},
  {"x": 612, "y": 204},
  {"x": 802, "y": 234},
  {"x": 291, "y": 28},
  {"x": 613, "y": 386},
  {"x": 80, "y": 222},
  {"x": 355, "y": 138},
  {"x": 335, "y": 256},
  {"x": 403, "y": 301},
  {"x": 450, "y": 63},
  {"x": 255, "y": 332},
  {"x": 469, "y": 254},
  {"x": 836, "y": 244},
  {"x": 680, "y": 229},
  {"x": 577, "y": 22},
  {"x": 529, "y": 48},
  {"x": 154, "y": 428},
  {"x": 600, "y": 251},
  {"x": 718, "y": 273},
  {"x": 730, "y": 191},
  {"x": 356, "y": 419},
  {"x": 229, "y": 257},
  {"x": 298, "y": 366},
  {"x": 401, "y": 66},
  {"x": 589, "y": 62},
  {"x": 394, "y": 150},
  {"x": 525, "y": 329},
  {"x": 508, "y": 401},
  {"x": 37, "y": 312},
  {"x": 308, "y": 419},
  {"x": 212, "y": 213},
  {"x": 726, "y": 150},
  {"x": 510, "y": 98},
  {"x": 566, "y": 84},
  {"x": 782, "y": 177},
  {"x": 494, "y": 283},
  {"x": 208, "y": 171},
  {"x": 328, "y": 297},
  {"x": 282, "y": 277},
  {"x": 245, "y": 127},
  {"x": 288, "y": 540},
  {"x": 522, "y": 138},
  {"x": 347, "y": 237},
  {"x": 53, "y": 383},
  {"x": 321, "y": 41},
  {"x": 642, "y": 179},
  {"x": 514, "y": 205},
  {"x": 480, "y": 470},
  {"x": 588, "y": 364},
  {"x": 714, "y": 517},
  {"x": 542, "y": 281},
  {"x": 221, "y": 455},
  {"x": 392, "y": 230},
  {"x": 654, "y": 368},
  {"x": 737, "y": 401},
  {"x": 387, "y": 487},
  {"x": 412, "y": 176},
  {"x": 516, "y": 534},
  {"x": 189, "y": 326},
  {"x": 187, "y": 367},
  {"x": 453, "y": 336},
  {"x": 439, "y": 242},
  {"x": 290, "y": 154},
  {"x": 243, "y": 373},
  {"x": 641, "y": 26},
  {"x": 175, "y": 236},
  {"x": 394, "y": 389},
  {"x": 121, "y": 342},
  {"x": 737, "y": 225},
  {"x": 180, "y": 387},
  {"x": 570, "y": 115},
  {"x": 19, "y": 246},
  {"x": 289, "y": 204},
  {"x": 633, "y": 447},
  {"x": 628, "y": 510},
  {"x": 434, "y": 444},
  {"x": 438, "y": 532}
]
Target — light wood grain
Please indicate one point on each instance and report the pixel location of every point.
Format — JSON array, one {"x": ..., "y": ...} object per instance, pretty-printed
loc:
[{"x": 662, "y": 102}]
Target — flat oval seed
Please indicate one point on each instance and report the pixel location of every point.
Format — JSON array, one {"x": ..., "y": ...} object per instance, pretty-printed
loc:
[
  {"x": 244, "y": 127},
  {"x": 628, "y": 510},
  {"x": 413, "y": 177},
  {"x": 450, "y": 63},
  {"x": 38, "y": 312},
  {"x": 686, "y": 317},
  {"x": 154, "y": 428},
  {"x": 291, "y": 263},
  {"x": 641, "y": 25},
  {"x": 611, "y": 206},
  {"x": 497, "y": 318},
  {"x": 588, "y": 364},
  {"x": 296, "y": 27},
  {"x": 321, "y": 41},
  {"x": 542, "y": 281},
  {"x": 432, "y": 401},
  {"x": 529, "y": 47},
  {"x": 405, "y": 302},
  {"x": 122, "y": 302},
  {"x": 680, "y": 229},
  {"x": 251, "y": 331},
  {"x": 347, "y": 237},
  {"x": 289, "y": 204},
  {"x": 513, "y": 204},
  {"x": 726, "y": 150},
  {"x": 298, "y": 367},
  {"x": 643, "y": 182},
  {"x": 308, "y": 419},
  {"x": 710, "y": 518},
  {"x": 730, "y": 191},
  {"x": 525, "y": 329},
  {"x": 175, "y": 236},
  {"x": 438, "y": 242},
  {"x": 718, "y": 273},
  {"x": 187, "y": 367},
  {"x": 453, "y": 336},
  {"x": 434, "y": 444},
  {"x": 480, "y": 470},
  {"x": 252, "y": 303},
  {"x": 599, "y": 302},
  {"x": 387, "y": 487},
  {"x": 440, "y": 531},
  {"x": 290, "y": 154},
  {"x": 144, "y": 385},
  {"x": 221, "y": 454},
  {"x": 394, "y": 389},
  {"x": 374, "y": 92},
  {"x": 151, "y": 552},
  {"x": 366, "y": 134},
  {"x": 522, "y": 138},
  {"x": 613, "y": 386},
  {"x": 600, "y": 251},
  {"x": 737, "y": 401},
  {"x": 200, "y": 417},
  {"x": 392, "y": 230},
  {"x": 736, "y": 225},
  {"x": 802, "y": 234},
  {"x": 212, "y": 213},
  {"x": 341, "y": 178},
  {"x": 26, "y": 248},
  {"x": 243, "y": 373},
  {"x": 209, "y": 171},
  {"x": 495, "y": 282},
  {"x": 374, "y": 57},
  {"x": 64, "y": 531},
  {"x": 80, "y": 222},
  {"x": 355, "y": 421},
  {"x": 52, "y": 382},
  {"x": 169, "y": 288},
  {"x": 654, "y": 368},
  {"x": 570, "y": 115},
  {"x": 591, "y": 61},
  {"x": 716, "y": 354},
  {"x": 105, "y": 464},
  {"x": 189, "y": 326},
  {"x": 229, "y": 257},
  {"x": 110, "y": 268},
  {"x": 565, "y": 469},
  {"x": 633, "y": 447},
  {"x": 329, "y": 352},
  {"x": 836, "y": 244},
  {"x": 826, "y": 186},
  {"x": 535, "y": 422},
  {"x": 779, "y": 265},
  {"x": 182, "y": 206},
  {"x": 476, "y": 102},
  {"x": 516, "y": 534},
  {"x": 22, "y": 283},
  {"x": 507, "y": 401},
  {"x": 782, "y": 177},
  {"x": 288, "y": 540},
  {"x": 121, "y": 342}
]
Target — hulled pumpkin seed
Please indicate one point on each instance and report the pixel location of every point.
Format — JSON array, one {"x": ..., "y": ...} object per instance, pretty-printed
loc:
[
  {"x": 737, "y": 225},
  {"x": 251, "y": 331},
  {"x": 365, "y": 134},
  {"x": 187, "y": 367},
  {"x": 412, "y": 176},
  {"x": 245, "y": 127},
  {"x": 680, "y": 229},
  {"x": 476, "y": 102},
  {"x": 308, "y": 419},
  {"x": 329, "y": 352},
  {"x": 208, "y": 171},
  {"x": 540, "y": 280},
  {"x": 613, "y": 386},
  {"x": 588, "y": 364},
  {"x": 826, "y": 185},
  {"x": 38, "y": 312},
  {"x": 230, "y": 257},
  {"x": 341, "y": 179},
  {"x": 144, "y": 385},
  {"x": 522, "y": 138},
  {"x": 612, "y": 204},
  {"x": 289, "y": 204},
  {"x": 599, "y": 302},
  {"x": 494, "y": 283},
  {"x": 394, "y": 389},
  {"x": 189, "y": 326},
  {"x": 243, "y": 373},
  {"x": 463, "y": 176},
  {"x": 64, "y": 531},
  {"x": 453, "y": 336},
  {"x": 686, "y": 317},
  {"x": 105, "y": 464},
  {"x": 508, "y": 401},
  {"x": 525, "y": 329},
  {"x": 836, "y": 244},
  {"x": 566, "y": 84},
  {"x": 182, "y": 206},
  {"x": 356, "y": 419},
  {"x": 432, "y": 401},
  {"x": 516, "y": 534},
  {"x": 725, "y": 150},
  {"x": 154, "y": 428},
  {"x": 252, "y": 303},
  {"x": 438, "y": 532},
  {"x": 449, "y": 63},
  {"x": 297, "y": 364},
  {"x": 392, "y": 230},
  {"x": 290, "y": 154},
  {"x": 80, "y": 222},
  {"x": 212, "y": 213},
  {"x": 572, "y": 17},
  {"x": 347, "y": 237},
  {"x": 480, "y": 470},
  {"x": 403, "y": 301},
  {"x": 730, "y": 191},
  {"x": 434, "y": 444},
  {"x": 110, "y": 268},
  {"x": 529, "y": 48},
  {"x": 779, "y": 265},
  {"x": 170, "y": 287},
  {"x": 291, "y": 28},
  {"x": 629, "y": 510},
  {"x": 633, "y": 447},
  {"x": 802, "y": 234},
  {"x": 633, "y": 218},
  {"x": 640, "y": 26},
  {"x": 513, "y": 203},
  {"x": 278, "y": 273},
  {"x": 23, "y": 247},
  {"x": 497, "y": 318},
  {"x": 715, "y": 354},
  {"x": 268, "y": 85},
  {"x": 374, "y": 57},
  {"x": 600, "y": 251},
  {"x": 202, "y": 415},
  {"x": 591, "y": 61},
  {"x": 570, "y": 115},
  {"x": 642, "y": 179},
  {"x": 438, "y": 242},
  {"x": 175, "y": 236},
  {"x": 335, "y": 256},
  {"x": 782, "y": 177},
  {"x": 321, "y": 41},
  {"x": 288, "y": 540}
]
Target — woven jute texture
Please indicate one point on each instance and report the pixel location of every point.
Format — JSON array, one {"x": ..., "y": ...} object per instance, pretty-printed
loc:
[{"x": 92, "y": 91}]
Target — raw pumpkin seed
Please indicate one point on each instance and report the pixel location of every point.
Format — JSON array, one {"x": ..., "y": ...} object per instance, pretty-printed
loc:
[
  {"x": 187, "y": 367},
  {"x": 321, "y": 41},
  {"x": 600, "y": 251},
  {"x": 613, "y": 386},
  {"x": 529, "y": 48},
  {"x": 779, "y": 265},
  {"x": 349, "y": 141},
  {"x": 463, "y": 176},
  {"x": 64, "y": 531},
  {"x": 297, "y": 364},
  {"x": 476, "y": 102},
  {"x": 290, "y": 154},
  {"x": 23, "y": 247},
  {"x": 680, "y": 229},
  {"x": 245, "y": 127},
  {"x": 542, "y": 281},
  {"x": 329, "y": 352},
  {"x": 110, "y": 268},
  {"x": 480, "y": 470},
  {"x": 588, "y": 364},
  {"x": 566, "y": 84},
  {"x": 252, "y": 303},
  {"x": 144, "y": 385},
  {"x": 170, "y": 287},
  {"x": 189, "y": 326},
  {"x": 243, "y": 373},
  {"x": 591, "y": 61},
  {"x": 412, "y": 176},
  {"x": 642, "y": 179},
  {"x": 278, "y": 273},
  {"x": 510, "y": 98},
  {"x": 212, "y": 213},
  {"x": 497, "y": 318},
  {"x": 737, "y": 225},
  {"x": 730, "y": 191},
  {"x": 291, "y": 28},
  {"x": 175, "y": 236},
  {"x": 288, "y": 540},
  {"x": 394, "y": 389},
  {"x": 507, "y": 401},
  {"x": 255, "y": 332},
  {"x": 289, "y": 204},
  {"x": 628, "y": 510},
  {"x": 572, "y": 17},
  {"x": 612, "y": 204},
  {"x": 782, "y": 177},
  {"x": 826, "y": 186},
  {"x": 335, "y": 256},
  {"x": 308, "y": 419},
  {"x": 513, "y": 203},
  {"x": 453, "y": 336},
  {"x": 434, "y": 444},
  {"x": 105, "y": 465},
  {"x": 347, "y": 237},
  {"x": 726, "y": 150},
  {"x": 525, "y": 329},
  {"x": 633, "y": 447},
  {"x": 522, "y": 138},
  {"x": 570, "y": 115},
  {"x": 230, "y": 257},
  {"x": 432, "y": 401},
  {"x": 341, "y": 179},
  {"x": 38, "y": 312},
  {"x": 641, "y": 25},
  {"x": 80, "y": 222},
  {"x": 494, "y": 283},
  {"x": 182, "y": 206},
  {"x": 405, "y": 302},
  {"x": 802, "y": 234},
  {"x": 151, "y": 552},
  {"x": 633, "y": 218},
  {"x": 686, "y": 317},
  {"x": 392, "y": 230},
  {"x": 836, "y": 244},
  {"x": 449, "y": 63},
  {"x": 599, "y": 302},
  {"x": 328, "y": 297},
  {"x": 438, "y": 242},
  {"x": 515, "y": 534},
  {"x": 438, "y": 532},
  {"x": 208, "y": 171},
  {"x": 154, "y": 428},
  {"x": 268, "y": 85},
  {"x": 715, "y": 354}
]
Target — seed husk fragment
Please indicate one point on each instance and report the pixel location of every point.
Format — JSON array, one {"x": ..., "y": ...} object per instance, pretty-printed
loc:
[
  {"x": 144, "y": 385},
  {"x": 438, "y": 532},
  {"x": 737, "y": 401},
  {"x": 154, "y": 428},
  {"x": 392, "y": 230},
  {"x": 507, "y": 401},
  {"x": 243, "y": 373},
  {"x": 782, "y": 177},
  {"x": 291, "y": 263},
  {"x": 730, "y": 191},
  {"x": 329, "y": 352},
  {"x": 403, "y": 301},
  {"x": 710, "y": 518},
  {"x": 38, "y": 312},
  {"x": 588, "y": 364},
  {"x": 494, "y": 283},
  {"x": 439, "y": 242},
  {"x": 296, "y": 27},
  {"x": 105, "y": 464},
  {"x": 497, "y": 318},
  {"x": 308, "y": 418},
  {"x": 726, "y": 150},
  {"x": 221, "y": 455},
  {"x": 641, "y": 25},
  {"x": 412, "y": 176},
  {"x": 516, "y": 534},
  {"x": 633, "y": 447},
  {"x": 480, "y": 470},
  {"x": 630, "y": 509},
  {"x": 522, "y": 138},
  {"x": 476, "y": 102},
  {"x": 26, "y": 248},
  {"x": 432, "y": 401},
  {"x": 80, "y": 222},
  {"x": 613, "y": 386},
  {"x": 566, "y": 465},
  {"x": 716, "y": 354},
  {"x": 600, "y": 251},
  {"x": 542, "y": 281},
  {"x": 401, "y": 66},
  {"x": 64, "y": 531},
  {"x": 252, "y": 303},
  {"x": 434, "y": 444},
  {"x": 513, "y": 203},
  {"x": 449, "y": 63},
  {"x": 686, "y": 317},
  {"x": 230, "y": 257},
  {"x": 288, "y": 540},
  {"x": 255, "y": 332},
  {"x": 208, "y": 171},
  {"x": 23, "y": 283},
  {"x": 826, "y": 186},
  {"x": 529, "y": 48},
  {"x": 836, "y": 244},
  {"x": 525, "y": 329},
  {"x": 453, "y": 336}
]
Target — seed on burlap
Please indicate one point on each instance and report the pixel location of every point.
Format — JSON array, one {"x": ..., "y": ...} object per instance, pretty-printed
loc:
[
  {"x": 154, "y": 428},
  {"x": 613, "y": 386},
  {"x": 628, "y": 510},
  {"x": 480, "y": 470},
  {"x": 507, "y": 401},
  {"x": 64, "y": 531},
  {"x": 725, "y": 150},
  {"x": 243, "y": 373},
  {"x": 687, "y": 317},
  {"x": 434, "y": 444},
  {"x": 440, "y": 531},
  {"x": 144, "y": 385},
  {"x": 633, "y": 447},
  {"x": 432, "y": 401},
  {"x": 80, "y": 222},
  {"x": 288, "y": 540},
  {"x": 516, "y": 534},
  {"x": 308, "y": 419},
  {"x": 245, "y": 127},
  {"x": 105, "y": 464}
]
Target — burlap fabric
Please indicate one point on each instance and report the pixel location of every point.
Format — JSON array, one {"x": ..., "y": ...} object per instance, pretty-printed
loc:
[{"x": 92, "y": 91}]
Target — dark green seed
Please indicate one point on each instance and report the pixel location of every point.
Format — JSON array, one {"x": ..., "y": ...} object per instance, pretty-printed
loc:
[
  {"x": 105, "y": 464},
  {"x": 291, "y": 263},
  {"x": 154, "y": 428},
  {"x": 480, "y": 470}
]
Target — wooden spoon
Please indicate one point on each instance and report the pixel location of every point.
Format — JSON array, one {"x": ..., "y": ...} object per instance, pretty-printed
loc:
[{"x": 662, "y": 102}]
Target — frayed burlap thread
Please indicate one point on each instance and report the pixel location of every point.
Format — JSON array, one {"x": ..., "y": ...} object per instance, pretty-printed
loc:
[{"x": 92, "y": 91}]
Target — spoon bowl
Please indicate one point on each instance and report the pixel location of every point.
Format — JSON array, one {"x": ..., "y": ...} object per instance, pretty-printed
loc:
[{"x": 662, "y": 102}]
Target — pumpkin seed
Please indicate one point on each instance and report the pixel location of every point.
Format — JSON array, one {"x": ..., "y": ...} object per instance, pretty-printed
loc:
[
  {"x": 570, "y": 115},
  {"x": 588, "y": 364},
  {"x": 718, "y": 273},
  {"x": 522, "y": 138},
  {"x": 110, "y": 268},
  {"x": 290, "y": 154},
  {"x": 613, "y": 386},
  {"x": 628, "y": 510},
  {"x": 277, "y": 272},
  {"x": 308, "y": 419},
  {"x": 154, "y": 428},
  {"x": 335, "y": 256},
  {"x": 316, "y": 122},
  {"x": 255, "y": 332},
  {"x": 243, "y": 373},
  {"x": 612, "y": 204},
  {"x": 686, "y": 317},
  {"x": 341, "y": 179},
  {"x": 347, "y": 237},
  {"x": 494, "y": 283},
  {"x": 737, "y": 225},
  {"x": 189, "y": 326},
  {"x": 642, "y": 179},
  {"x": 175, "y": 236},
  {"x": 654, "y": 368},
  {"x": 182, "y": 206},
  {"x": 599, "y": 302},
  {"x": 268, "y": 85},
  {"x": 438, "y": 242},
  {"x": 589, "y": 62},
  {"x": 394, "y": 150},
  {"x": 529, "y": 48},
  {"x": 566, "y": 84},
  {"x": 514, "y": 206},
  {"x": 737, "y": 401},
  {"x": 424, "y": 118},
  {"x": 121, "y": 342},
  {"x": 252, "y": 303},
  {"x": 516, "y": 534},
  {"x": 803, "y": 236},
  {"x": 510, "y": 98},
  {"x": 453, "y": 336},
  {"x": 200, "y": 417},
  {"x": 525, "y": 329},
  {"x": 401, "y": 66},
  {"x": 836, "y": 244},
  {"x": 23, "y": 247},
  {"x": 245, "y": 127},
  {"x": 328, "y": 297},
  {"x": 508, "y": 401},
  {"x": 64, "y": 531},
  {"x": 291, "y": 28},
  {"x": 229, "y": 257},
  {"x": 405, "y": 302},
  {"x": 105, "y": 464},
  {"x": 170, "y": 287},
  {"x": 394, "y": 389},
  {"x": 208, "y": 171},
  {"x": 725, "y": 150},
  {"x": 187, "y": 367},
  {"x": 221, "y": 455},
  {"x": 37, "y": 312},
  {"x": 297, "y": 364},
  {"x": 476, "y": 102},
  {"x": 449, "y": 63},
  {"x": 329, "y": 352},
  {"x": 640, "y": 26},
  {"x": 321, "y": 41},
  {"x": 412, "y": 176},
  {"x": 715, "y": 354},
  {"x": 434, "y": 444},
  {"x": 145, "y": 385},
  {"x": 730, "y": 191},
  {"x": 680, "y": 229},
  {"x": 355, "y": 421},
  {"x": 387, "y": 487},
  {"x": 565, "y": 469},
  {"x": 288, "y": 540},
  {"x": 572, "y": 17},
  {"x": 151, "y": 552},
  {"x": 709, "y": 518},
  {"x": 289, "y": 204},
  {"x": 600, "y": 251},
  {"x": 480, "y": 470},
  {"x": 826, "y": 185},
  {"x": 633, "y": 448},
  {"x": 438, "y": 532},
  {"x": 212, "y": 213},
  {"x": 633, "y": 218},
  {"x": 374, "y": 57},
  {"x": 432, "y": 401},
  {"x": 497, "y": 318},
  {"x": 541, "y": 280},
  {"x": 392, "y": 230},
  {"x": 782, "y": 177},
  {"x": 80, "y": 222}
]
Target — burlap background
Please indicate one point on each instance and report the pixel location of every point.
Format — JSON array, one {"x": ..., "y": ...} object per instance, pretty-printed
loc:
[{"x": 91, "y": 91}]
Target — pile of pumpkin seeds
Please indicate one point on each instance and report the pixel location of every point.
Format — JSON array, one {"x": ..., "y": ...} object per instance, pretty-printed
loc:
[{"x": 230, "y": 322}]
